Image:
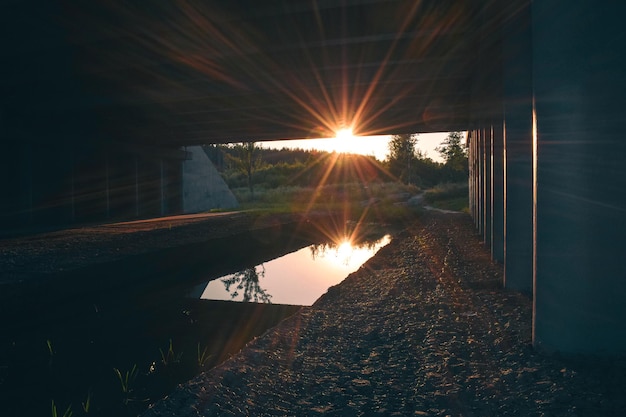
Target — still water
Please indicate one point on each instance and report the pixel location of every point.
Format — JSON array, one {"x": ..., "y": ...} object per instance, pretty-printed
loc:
[
  {"x": 133, "y": 322},
  {"x": 298, "y": 278}
]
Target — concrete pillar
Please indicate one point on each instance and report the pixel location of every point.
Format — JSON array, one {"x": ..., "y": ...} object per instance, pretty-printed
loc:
[
  {"x": 497, "y": 193},
  {"x": 471, "y": 141},
  {"x": 480, "y": 156},
  {"x": 517, "y": 138},
  {"x": 492, "y": 99},
  {"x": 487, "y": 186},
  {"x": 474, "y": 175},
  {"x": 580, "y": 176}
]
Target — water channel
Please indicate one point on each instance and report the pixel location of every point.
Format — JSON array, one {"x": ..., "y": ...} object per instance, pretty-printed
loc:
[
  {"x": 298, "y": 278},
  {"x": 139, "y": 333}
]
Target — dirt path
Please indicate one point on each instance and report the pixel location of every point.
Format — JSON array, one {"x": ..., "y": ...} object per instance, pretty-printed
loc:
[{"x": 422, "y": 329}]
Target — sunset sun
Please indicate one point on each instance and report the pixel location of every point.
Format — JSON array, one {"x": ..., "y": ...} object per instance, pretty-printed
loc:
[
  {"x": 345, "y": 133},
  {"x": 344, "y": 140}
]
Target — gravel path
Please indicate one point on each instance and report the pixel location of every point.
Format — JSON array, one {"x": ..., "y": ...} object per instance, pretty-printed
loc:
[{"x": 422, "y": 329}]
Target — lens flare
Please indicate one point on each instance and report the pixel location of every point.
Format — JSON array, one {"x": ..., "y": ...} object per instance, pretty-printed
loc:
[{"x": 344, "y": 133}]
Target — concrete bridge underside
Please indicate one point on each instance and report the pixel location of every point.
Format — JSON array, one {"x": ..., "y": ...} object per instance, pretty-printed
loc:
[{"x": 98, "y": 102}]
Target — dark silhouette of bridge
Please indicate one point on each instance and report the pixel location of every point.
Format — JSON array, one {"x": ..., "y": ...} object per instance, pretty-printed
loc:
[{"x": 99, "y": 100}]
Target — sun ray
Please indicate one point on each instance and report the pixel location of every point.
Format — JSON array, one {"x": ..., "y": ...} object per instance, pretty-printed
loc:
[
  {"x": 323, "y": 180},
  {"x": 379, "y": 73},
  {"x": 340, "y": 84}
]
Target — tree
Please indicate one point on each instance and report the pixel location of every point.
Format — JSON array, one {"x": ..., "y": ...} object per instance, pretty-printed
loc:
[
  {"x": 451, "y": 150},
  {"x": 402, "y": 156},
  {"x": 454, "y": 155},
  {"x": 246, "y": 159}
]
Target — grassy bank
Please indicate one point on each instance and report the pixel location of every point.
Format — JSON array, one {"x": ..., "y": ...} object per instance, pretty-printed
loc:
[
  {"x": 448, "y": 197},
  {"x": 376, "y": 202}
]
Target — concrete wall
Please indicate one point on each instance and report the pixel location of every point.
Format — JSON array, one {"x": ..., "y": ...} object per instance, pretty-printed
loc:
[
  {"x": 48, "y": 185},
  {"x": 203, "y": 187}
]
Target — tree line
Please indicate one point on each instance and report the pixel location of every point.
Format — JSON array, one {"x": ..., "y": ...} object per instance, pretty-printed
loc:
[
  {"x": 411, "y": 166},
  {"x": 249, "y": 165}
]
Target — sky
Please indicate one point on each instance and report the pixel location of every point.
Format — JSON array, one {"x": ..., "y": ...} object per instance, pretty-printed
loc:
[{"x": 364, "y": 145}]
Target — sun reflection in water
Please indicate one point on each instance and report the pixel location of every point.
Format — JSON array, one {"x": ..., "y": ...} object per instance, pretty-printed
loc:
[
  {"x": 301, "y": 277},
  {"x": 344, "y": 252}
]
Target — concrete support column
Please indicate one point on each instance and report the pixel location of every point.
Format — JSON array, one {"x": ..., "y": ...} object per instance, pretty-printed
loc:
[
  {"x": 492, "y": 98},
  {"x": 580, "y": 176},
  {"x": 518, "y": 234},
  {"x": 497, "y": 193},
  {"x": 477, "y": 193},
  {"x": 487, "y": 175},
  {"x": 517, "y": 138},
  {"x": 480, "y": 155},
  {"x": 471, "y": 141}
]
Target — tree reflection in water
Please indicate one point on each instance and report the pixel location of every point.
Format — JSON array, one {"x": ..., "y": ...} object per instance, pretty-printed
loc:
[
  {"x": 300, "y": 277},
  {"x": 248, "y": 282}
]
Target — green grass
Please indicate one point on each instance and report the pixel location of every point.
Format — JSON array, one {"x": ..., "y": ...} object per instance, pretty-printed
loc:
[
  {"x": 203, "y": 356},
  {"x": 87, "y": 403},
  {"x": 168, "y": 357},
  {"x": 56, "y": 413},
  {"x": 127, "y": 380},
  {"x": 448, "y": 197},
  {"x": 376, "y": 202},
  {"x": 454, "y": 204},
  {"x": 351, "y": 199}
]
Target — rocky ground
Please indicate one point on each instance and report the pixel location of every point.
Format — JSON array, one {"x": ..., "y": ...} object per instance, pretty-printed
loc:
[{"x": 423, "y": 329}]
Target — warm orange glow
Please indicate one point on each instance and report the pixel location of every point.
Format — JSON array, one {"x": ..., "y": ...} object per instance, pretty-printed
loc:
[
  {"x": 299, "y": 278},
  {"x": 335, "y": 95},
  {"x": 344, "y": 250},
  {"x": 204, "y": 44},
  {"x": 345, "y": 133}
]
